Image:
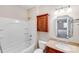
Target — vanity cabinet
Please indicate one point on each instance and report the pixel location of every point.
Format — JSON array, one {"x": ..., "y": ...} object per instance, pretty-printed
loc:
[{"x": 51, "y": 50}]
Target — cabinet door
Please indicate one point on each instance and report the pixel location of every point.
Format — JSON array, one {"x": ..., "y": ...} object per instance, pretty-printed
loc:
[
  {"x": 42, "y": 23},
  {"x": 51, "y": 50}
]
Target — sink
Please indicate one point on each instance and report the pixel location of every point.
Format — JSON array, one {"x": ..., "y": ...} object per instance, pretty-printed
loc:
[{"x": 63, "y": 46}]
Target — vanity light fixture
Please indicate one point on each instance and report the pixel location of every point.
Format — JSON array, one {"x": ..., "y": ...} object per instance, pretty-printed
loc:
[{"x": 62, "y": 10}]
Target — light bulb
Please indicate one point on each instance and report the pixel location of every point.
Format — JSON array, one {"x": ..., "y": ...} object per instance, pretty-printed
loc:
[
  {"x": 69, "y": 10},
  {"x": 62, "y": 11},
  {"x": 56, "y": 12}
]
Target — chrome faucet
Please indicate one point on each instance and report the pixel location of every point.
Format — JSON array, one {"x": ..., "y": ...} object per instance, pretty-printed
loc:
[{"x": 1, "y": 49}]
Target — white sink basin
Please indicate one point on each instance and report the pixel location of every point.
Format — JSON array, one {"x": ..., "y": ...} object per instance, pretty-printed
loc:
[{"x": 63, "y": 46}]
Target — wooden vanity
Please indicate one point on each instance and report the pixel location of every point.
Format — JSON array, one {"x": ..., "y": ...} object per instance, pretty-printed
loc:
[
  {"x": 51, "y": 50},
  {"x": 51, "y": 47}
]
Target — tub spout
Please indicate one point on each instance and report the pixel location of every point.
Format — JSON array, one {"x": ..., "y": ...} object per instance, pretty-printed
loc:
[{"x": 1, "y": 49}]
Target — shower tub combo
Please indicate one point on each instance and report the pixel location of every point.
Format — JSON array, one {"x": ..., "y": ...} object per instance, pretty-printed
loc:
[{"x": 15, "y": 37}]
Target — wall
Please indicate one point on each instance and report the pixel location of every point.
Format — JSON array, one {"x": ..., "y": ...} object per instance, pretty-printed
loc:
[
  {"x": 40, "y": 10},
  {"x": 13, "y": 44},
  {"x": 51, "y": 22},
  {"x": 75, "y": 15},
  {"x": 52, "y": 29},
  {"x": 32, "y": 22},
  {"x": 10, "y": 11}
]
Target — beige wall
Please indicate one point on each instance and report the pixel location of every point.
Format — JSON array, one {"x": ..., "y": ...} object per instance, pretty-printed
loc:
[
  {"x": 13, "y": 12},
  {"x": 22, "y": 14},
  {"x": 75, "y": 15},
  {"x": 40, "y": 10},
  {"x": 32, "y": 22},
  {"x": 52, "y": 31}
]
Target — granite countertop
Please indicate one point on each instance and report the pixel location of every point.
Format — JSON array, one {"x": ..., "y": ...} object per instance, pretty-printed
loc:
[{"x": 69, "y": 49}]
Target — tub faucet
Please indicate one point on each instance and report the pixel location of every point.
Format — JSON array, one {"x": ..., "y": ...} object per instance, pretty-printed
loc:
[
  {"x": 30, "y": 35},
  {"x": 1, "y": 49}
]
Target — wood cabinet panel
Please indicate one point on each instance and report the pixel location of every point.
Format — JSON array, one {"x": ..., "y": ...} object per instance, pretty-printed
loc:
[
  {"x": 51, "y": 50},
  {"x": 42, "y": 23}
]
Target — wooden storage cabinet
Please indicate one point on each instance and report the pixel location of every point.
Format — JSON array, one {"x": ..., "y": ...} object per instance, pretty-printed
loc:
[
  {"x": 42, "y": 23},
  {"x": 51, "y": 50}
]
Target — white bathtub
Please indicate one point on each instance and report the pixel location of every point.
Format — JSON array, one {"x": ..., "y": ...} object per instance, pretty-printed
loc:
[
  {"x": 14, "y": 36},
  {"x": 30, "y": 49}
]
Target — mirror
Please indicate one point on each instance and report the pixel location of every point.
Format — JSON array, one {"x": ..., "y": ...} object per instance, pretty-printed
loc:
[{"x": 64, "y": 26}]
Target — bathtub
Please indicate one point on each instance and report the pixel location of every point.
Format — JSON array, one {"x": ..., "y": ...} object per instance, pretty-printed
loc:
[
  {"x": 30, "y": 49},
  {"x": 14, "y": 36}
]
